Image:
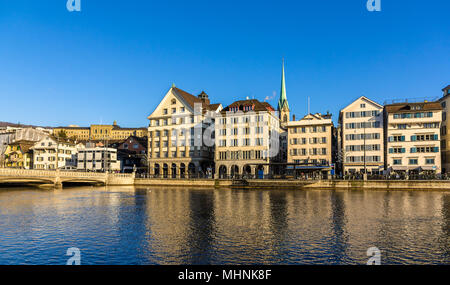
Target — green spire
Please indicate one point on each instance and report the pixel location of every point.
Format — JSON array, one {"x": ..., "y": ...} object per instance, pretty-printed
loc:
[{"x": 283, "y": 99}]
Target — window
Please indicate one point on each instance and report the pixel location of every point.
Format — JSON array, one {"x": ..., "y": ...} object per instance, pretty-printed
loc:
[
  {"x": 174, "y": 101},
  {"x": 429, "y": 161},
  {"x": 413, "y": 161},
  {"x": 165, "y": 111},
  {"x": 362, "y": 105},
  {"x": 397, "y": 161},
  {"x": 174, "y": 110}
]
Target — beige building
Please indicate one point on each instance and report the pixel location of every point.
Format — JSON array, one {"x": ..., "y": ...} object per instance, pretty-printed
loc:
[
  {"x": 310, "y": 144},
  {"x": 99, "y": 132},
  {"x": 247, "y": 139},
  {"x": 445, "y": 133},
  {"x": 362, "y": 137},
  {"x": 412, "y": 132},
  {"x": 178, "y": 132}
]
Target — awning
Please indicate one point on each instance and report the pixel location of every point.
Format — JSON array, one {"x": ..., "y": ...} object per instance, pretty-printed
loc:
[
  {"x": 399, "y": 167},
  {"x": 428, "y": 167},
  {"x": 307, "y": 167}
]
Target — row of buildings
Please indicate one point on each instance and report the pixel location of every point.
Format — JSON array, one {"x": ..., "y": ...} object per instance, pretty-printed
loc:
[
  {"x": 51, "y": 152},
  {"x": 190, "y": 136}
]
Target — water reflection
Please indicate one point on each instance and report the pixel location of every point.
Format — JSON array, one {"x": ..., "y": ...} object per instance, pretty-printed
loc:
[{"x": 126, "y": 225}]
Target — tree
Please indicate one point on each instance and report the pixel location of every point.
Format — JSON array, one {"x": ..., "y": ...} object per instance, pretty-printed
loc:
[{"x": 62, "y": 134}]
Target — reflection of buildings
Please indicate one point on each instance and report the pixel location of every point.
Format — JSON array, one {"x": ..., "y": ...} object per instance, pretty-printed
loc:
[{"x": 176, "y": 131}]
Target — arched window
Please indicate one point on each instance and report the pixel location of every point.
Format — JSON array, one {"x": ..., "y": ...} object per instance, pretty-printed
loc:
[
  {"x": 174, "y": 101},
  {"x": 285, "y": 118}
]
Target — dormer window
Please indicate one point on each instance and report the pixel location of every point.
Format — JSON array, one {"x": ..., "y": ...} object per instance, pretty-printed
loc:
[{"x": 248, "y": 108}]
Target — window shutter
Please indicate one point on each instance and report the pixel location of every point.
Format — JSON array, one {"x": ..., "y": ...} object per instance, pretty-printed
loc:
[
  {"x": 403, "y": 138},
  {"x": 413, "y": 150},
  {"x": 403, "y": 150},
  {"x": 436, "y": 137},
  {"x": 413, "y": 138},
  {"x": 391, "y": 150}
]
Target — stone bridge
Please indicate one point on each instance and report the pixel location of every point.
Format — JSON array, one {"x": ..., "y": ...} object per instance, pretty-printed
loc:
[{"x": 59, "y": 177}]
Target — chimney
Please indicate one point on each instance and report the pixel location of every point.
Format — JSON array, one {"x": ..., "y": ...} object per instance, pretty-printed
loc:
[
  {"x": 204, "y": 97},
  {"x": 293, "y": 117}
]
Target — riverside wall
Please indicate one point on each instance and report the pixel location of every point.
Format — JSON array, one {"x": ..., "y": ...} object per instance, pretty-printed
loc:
[{"x": 301, "y": 184}]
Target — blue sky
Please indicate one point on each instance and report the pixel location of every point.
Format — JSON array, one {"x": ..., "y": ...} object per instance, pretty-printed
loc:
[{"x": 115, "y": 60}]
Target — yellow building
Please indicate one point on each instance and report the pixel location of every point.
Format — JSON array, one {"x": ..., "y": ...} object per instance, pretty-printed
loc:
[
  {"x": 310, "y": 144},
  {"x": 19, "y": 155},
  {"x": 100, "y": 132}
]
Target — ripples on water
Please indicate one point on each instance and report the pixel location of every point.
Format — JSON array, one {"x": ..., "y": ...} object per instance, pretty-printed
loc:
[{"x": 125, "y": 225}]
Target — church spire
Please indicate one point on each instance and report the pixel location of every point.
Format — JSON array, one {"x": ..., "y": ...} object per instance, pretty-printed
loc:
[{"x": 283, "y": 103}]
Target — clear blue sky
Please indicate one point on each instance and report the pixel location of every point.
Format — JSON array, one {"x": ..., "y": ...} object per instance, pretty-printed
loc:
[{"x": 115, "y": 60}]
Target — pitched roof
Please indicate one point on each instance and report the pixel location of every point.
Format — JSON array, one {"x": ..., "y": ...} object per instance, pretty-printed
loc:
[
  {"x": 192, "y": 100},
  {"x": 407, "y": 107},
  {"x": 446, "y": 88},
  {"x": 189, "y": 98},
  {"x": 257, "y": 105},
  {"x": 24, "y": 145}
]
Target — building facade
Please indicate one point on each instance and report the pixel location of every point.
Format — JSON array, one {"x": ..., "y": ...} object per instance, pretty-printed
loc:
[
  {"x": 54, "y": 153},
  {"x": 99, "y": 132},
  {"x": 362, "y": 137},
  {"x": 132, "y": 154},
  {"x": 445, "y": 133},
  {"x": 412, "y": 137},
  {"x": 98, "y": 159},
  {"x": 177, "y": 130},
  {"x": 247, "y": 138},
  {"x": 310, "y": 145},
  {"x": 19, "y": 155}
]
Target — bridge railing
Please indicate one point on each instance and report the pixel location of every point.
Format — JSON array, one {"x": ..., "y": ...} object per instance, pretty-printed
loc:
[
  {"x": 26, "y": 172},
  {"x": 10, "y": 172}
]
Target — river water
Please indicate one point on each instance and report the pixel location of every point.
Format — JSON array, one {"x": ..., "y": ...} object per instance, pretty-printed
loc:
[{"x": 151, "y": 225}]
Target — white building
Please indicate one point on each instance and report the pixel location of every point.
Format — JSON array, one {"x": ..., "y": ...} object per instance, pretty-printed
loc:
[
  {"x": 362, "y": 137},
  {"x": 413, "y": 141},
  {"x": 52, "y": 153},
  {"x": 247, "y": 137},
  {"x": 98, "y": 159}
]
